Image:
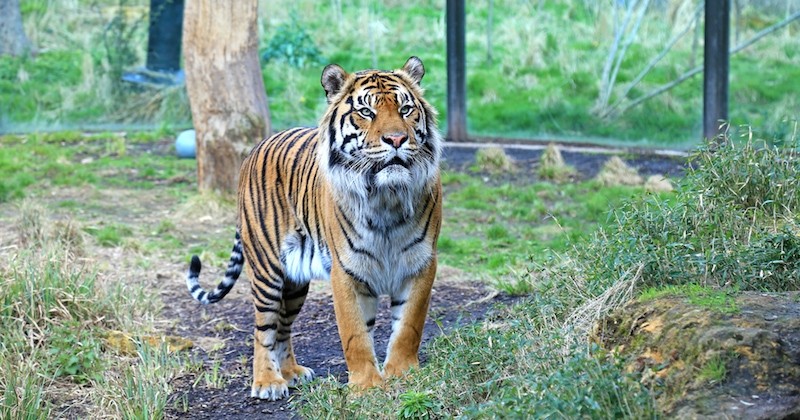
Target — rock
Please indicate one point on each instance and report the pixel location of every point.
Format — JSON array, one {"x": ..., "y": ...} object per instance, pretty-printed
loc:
[
  {"x": 739, "y": 359},
  {"x": 616, "y": 172}
]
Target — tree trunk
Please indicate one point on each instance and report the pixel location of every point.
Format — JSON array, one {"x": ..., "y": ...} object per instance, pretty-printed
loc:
[
  {"x": 13, "y": 40},
  {"x": 225, "y": 87}
]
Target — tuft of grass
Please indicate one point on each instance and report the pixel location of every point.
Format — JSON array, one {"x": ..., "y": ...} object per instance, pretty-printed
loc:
[
  {"x": 109, "y": 235},
  {"x": 418, "y": 405},
  {"x": 732, "y": 224},
  {"x": 552, "y": 166},
  {"x": 616, "y": 172},
  {"x": 714, "y": 370},
  {"x": 493, "y": 160},
  {"x": 143, "y": 390}
]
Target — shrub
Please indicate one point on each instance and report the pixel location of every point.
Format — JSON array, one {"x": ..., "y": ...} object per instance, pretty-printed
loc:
[{"x": 733, "y": 223}]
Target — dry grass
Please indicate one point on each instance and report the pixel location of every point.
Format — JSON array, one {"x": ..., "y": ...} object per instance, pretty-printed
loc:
[
  {"x": 658, "y": 183},
  {"x": 552, "y": 166},
  {"x": 616, "y": 172},
  {"x": 494, "y": 160}
]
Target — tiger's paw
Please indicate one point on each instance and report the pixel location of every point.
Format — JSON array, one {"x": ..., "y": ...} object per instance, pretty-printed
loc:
[
  {"x": 270, "y": 391},
  {"x": 297, "y": 375},
  {"x": 364, "y": 381},
  {"x": 399, "y": 368}
]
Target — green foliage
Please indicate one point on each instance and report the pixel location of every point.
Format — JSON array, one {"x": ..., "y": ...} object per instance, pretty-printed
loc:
[
  {"x": 21, "y": 393},
  {"x": 292, "y": 45},
  {"x": 110, "y": 235},
  {"x": 714, "y": 370},
  {"x": 518, "y": 221},
  {"x": 74, "y": 351},
  {"x": 145, "y": 388},
  {"x": 733, "y": 223},
  {"x": 537, "y": 84},
  {"x": 418, "y": 405},
  {"x": 717, "y": 300}
]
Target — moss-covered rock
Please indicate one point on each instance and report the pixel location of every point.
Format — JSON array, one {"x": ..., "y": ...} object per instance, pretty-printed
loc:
[{"x": 703, "y": 361}]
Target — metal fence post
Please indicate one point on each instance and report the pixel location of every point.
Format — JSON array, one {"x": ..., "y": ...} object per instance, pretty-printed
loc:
[{"x": 456, "y": 71}]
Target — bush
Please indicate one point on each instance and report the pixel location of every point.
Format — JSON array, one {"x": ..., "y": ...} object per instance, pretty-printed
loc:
[{"x": 733, "y": 223}]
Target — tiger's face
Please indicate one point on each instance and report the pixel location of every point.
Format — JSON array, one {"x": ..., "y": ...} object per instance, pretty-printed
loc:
[{"x": 379, "y": 133}]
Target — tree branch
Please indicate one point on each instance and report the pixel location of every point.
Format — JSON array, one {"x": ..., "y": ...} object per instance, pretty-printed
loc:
[{"x": 698, "y": 69}]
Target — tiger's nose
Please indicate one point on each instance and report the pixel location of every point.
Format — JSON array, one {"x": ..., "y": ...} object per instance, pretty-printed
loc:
[{"x": 395, "y": 139}]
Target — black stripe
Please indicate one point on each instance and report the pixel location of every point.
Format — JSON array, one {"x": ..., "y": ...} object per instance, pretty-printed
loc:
[
  {"x": 263, "y": 309},
  {"x": 294, "y": 294},
  {"x": 292, "y": 312},
  {"x": 398, "y": 302},
  {"x": 274, "y": 298},
  {"x": 267, "y": 327},
  {"x": 424, "y": 233}
]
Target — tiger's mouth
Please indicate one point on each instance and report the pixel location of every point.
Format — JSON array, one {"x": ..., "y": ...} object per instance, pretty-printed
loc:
[{"x": 393, "y": 161}]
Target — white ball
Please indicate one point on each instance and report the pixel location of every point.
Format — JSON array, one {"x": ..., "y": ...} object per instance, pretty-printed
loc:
[{"x": 186, "y": 144}]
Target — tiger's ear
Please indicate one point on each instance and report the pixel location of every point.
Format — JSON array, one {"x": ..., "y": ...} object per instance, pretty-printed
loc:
[
  {"x": 414, "y": 68},
  {"x": 333, "y": 77}
]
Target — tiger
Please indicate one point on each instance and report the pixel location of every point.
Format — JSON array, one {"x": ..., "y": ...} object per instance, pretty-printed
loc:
[{"x": 356, "y": 200}]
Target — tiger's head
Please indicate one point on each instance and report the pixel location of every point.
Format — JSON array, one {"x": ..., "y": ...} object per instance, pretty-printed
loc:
[{"x": 378, "y": 134}]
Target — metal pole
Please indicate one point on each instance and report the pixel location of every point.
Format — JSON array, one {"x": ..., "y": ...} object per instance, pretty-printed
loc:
[
  {"x": 164, "y": 40},
  {"x": 456, "y": 71},
  {"x": 715, "y": 66}
]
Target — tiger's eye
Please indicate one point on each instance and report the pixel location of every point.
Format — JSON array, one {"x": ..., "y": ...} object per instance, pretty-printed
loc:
[
  {"x": 406, "y": 109},
  {"x": 366, "y": 112}
]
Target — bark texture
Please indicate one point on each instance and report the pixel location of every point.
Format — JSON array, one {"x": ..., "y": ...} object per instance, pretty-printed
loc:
[
  {"x": 13, "y": 40},
  {"x": 225, "y": 87}
]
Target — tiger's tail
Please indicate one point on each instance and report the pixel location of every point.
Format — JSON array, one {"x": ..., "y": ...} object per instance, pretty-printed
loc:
[{"x": 231, "y": 275}]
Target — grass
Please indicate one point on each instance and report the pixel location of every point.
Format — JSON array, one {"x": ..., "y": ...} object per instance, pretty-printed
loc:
[
  {"x": 519, "y": 222},
  {"x": 535, "y": 84},
  {"x": 704, "y": 297},
  {"x": 731, "y": 226},
  {"x": 103, "y": 160},
  {"x": 57, "y": 304}
]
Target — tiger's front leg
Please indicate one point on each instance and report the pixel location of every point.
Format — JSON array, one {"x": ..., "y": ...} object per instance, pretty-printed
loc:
[
  {"x": 409, "y": 310},
  {"x": 354, "y": 311}
]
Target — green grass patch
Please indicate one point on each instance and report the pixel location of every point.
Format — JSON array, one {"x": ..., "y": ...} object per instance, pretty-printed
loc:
[
  {"x": 110, "y": 235},
  {"x": 714, "y": 370},
  {"x": 717, "y": 300},
  {"x": 495, "y": 229},
  {"x": 42, "y": 160}
]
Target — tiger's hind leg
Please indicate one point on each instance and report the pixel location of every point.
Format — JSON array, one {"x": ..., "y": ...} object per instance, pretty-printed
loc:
[
  {"x": 268, "y": 382},
  {"x": 293, "y": 298}
]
